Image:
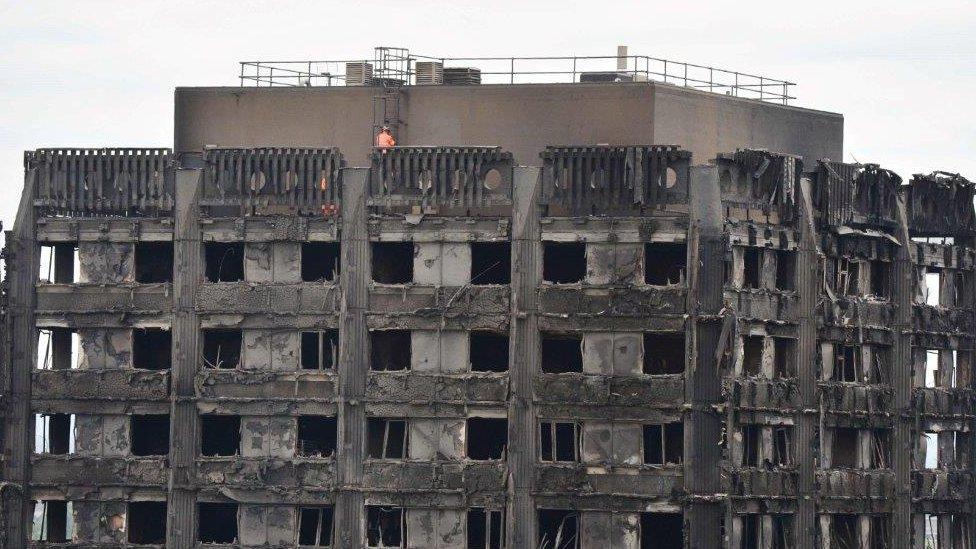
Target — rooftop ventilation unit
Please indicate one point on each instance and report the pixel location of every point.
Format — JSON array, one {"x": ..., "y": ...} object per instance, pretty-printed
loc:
[
  {"x": 462, "y": 76},
  {"x": 359, "y": 74},
  {"x": 606, "y": 77},
  {"x": 430, "y": 72}
]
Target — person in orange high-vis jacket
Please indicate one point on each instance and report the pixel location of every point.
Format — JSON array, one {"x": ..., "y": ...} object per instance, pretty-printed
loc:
[{"x": 384, "y": 139}]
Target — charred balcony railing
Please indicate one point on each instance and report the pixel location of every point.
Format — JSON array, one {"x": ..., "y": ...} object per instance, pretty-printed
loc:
[
  {"x": 758, "y": 179},
  {"x": 266, "y": 181},
  {"x": 855, "y": 194},
  {"x": 437, "y": 179},
  {"x": 102, "y": 182},
  {"x": 940, "y": 204},
  {"x": 607, "y": 179}
]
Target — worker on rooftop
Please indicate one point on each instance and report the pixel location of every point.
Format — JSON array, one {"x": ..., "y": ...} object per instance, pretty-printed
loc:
[{"x": 384, "y": 139}]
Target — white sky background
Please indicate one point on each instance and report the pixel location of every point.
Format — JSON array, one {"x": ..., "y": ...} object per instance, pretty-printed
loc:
[{"x": 95, "y": 74}]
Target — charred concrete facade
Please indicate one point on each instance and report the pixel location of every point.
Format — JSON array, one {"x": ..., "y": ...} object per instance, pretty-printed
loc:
[{"x": 620, "y": 346}]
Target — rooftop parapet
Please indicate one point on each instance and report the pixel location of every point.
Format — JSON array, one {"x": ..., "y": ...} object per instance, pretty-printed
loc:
[
  {"x": 102, "y": 182},
  {"x": 271, "y": 180},
  {"x": 759, "y": 179},
  {"x": 441, "y": 179},
  {"x": 940, "y": 204},
  {"x": 611, "y": 179},
  {"x": 856, "y": 194}
]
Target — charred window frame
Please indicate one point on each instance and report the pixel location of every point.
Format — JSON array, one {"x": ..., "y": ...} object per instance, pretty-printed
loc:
[
  {"x": 315, "y": 526},
  {"x": 847, "y": 363},
  {"x": 783, "y": 448},
  {"x": 320, "y": 350},
  {"x": 880, "y": 372},
  {"x": 844, "y": 448},
  {"x": 846, "y": 275},
  {"x": 153, "y": 262},
  {"x": 784, "y": 534},
  {"x": 392, "y": 262},
  {"x": 54, "y": 434},
  {"x": 665, "y": 263},
  {"x": 386, "y": 527},
  {"x": 752, "y": 355},
  {"x": 317, "y": 436},
  {"x": 844, "y": 531},
  {"x": 486, "y": 528},
  {"x": 751, "y": 525},
  {"x": 558, "y": 529},
  {"x": 152, "y": 349},
  {"x": 149, "y": 434},
  {"x": 222, "y": 348},
  {"x": 49, "y": 520},
  {"x": 491, "y": 263},
  {"x": 220, "y": 435},
  {"x": 224, "y": 261},
  {"x": 559, "y": 441},
  {"x": 880, "y": 279},
  {"x": 58, "y": 349},
  {"x": 320, "y": 261},
  {"x": 880, "y": 531},
  {"x": 751, "y": 445},
  {"x": 662, "y": 531},
  {"x": 563, "y": 262},
  {"x": 146, "y": 522},
  {"x": 664, "y": 353},
  {"x": 59, "y": 263},
  {"x": 786, "y": 270},
  {"x": 663, "y": 444},
  {"x": 752, "y": 259},
  {"x": 389, "y": 350},
  {"x": 784, "y": 349},
  {"x": 217, "y": 522},
  {"x": 488, "y": 351},
  {"x": 387, "y": 438},
  {"x": 561, "y": 352},
  {"x": 486, "y": 438},
  {"x": 880, "y": 449}
]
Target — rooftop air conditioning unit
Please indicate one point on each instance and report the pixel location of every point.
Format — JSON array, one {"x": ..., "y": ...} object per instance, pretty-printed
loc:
[
  {"x": 430, "y": 72},
  {"x": 359, "y": 74},
  {"x": 462, "y": 76}
]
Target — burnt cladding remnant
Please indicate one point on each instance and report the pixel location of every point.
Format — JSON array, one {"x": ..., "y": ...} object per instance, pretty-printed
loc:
[{"x": 622, "y": 347}]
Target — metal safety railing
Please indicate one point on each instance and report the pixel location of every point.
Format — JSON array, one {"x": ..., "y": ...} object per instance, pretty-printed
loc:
[{"x": 401, "y": 66}]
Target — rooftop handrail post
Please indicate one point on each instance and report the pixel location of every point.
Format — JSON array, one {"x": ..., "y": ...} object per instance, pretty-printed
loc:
[
  {"x": 665, "y": 71},
  {"x": 512, "y": 73},
  {"x": 686, "y": 75},
  {"x": 574, "y": 70},
  {"x": 735, "y": 89},
  {"x": 760, "y": 88},
  {"x": 785, "y": 94},
  {"x": 242, "y": 74},
  {"x": 711, "y": 79}
]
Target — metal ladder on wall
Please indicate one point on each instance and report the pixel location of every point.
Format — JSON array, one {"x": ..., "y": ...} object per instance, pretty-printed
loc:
[{"x": 391, "y": 70}]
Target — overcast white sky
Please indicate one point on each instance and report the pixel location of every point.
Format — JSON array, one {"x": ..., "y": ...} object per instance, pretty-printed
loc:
[{"x": 97, "y": 74}]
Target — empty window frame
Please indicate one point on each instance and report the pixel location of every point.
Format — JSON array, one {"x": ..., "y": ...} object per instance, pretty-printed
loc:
[
  {"x": 785, "y": 270},
  {"x": 664, "y": 353},
  {"x": 954, "y": 531},
  {"x": 844, "y": 531},
  {"x": 880, "y": 531},
  {"x": 59, "y": 263},
  {"x": 217, "y": 522},
  {"x": 932, "y": 285},
  {"x": 783, "y": 532},
  {"x": 224, "y": 261},
  {"x": 486, "y": 437},
  {"x": 559, "y": 441},
  {"x": 315, "y": 526},
  {"x": 147, "y": 522},
  {"x": 751, "y": 445},
  {"x": 752, "y": 355},
  {"x": 58, "y": 349},
  {"x": 945, "y": 449},
  {"x": 843, "y": 449},
  {"x": 488, "y": 351},
  {"x": 846, "y": 273},
  {"x": 320, "y": 350},
  {"x": 316, "y": 436},
  {"x": 880, "y": 449},
  {"x": 558, "y": 529},
  {"x": 491, "y": 263},
  {"x": 563, "y": 262},
  {"x": 846, "y": 363},
  {"x": 662, "y": 531},
  {"x": 486, "y": 528},
  {"x": 152, "y": 349},
  {"x": 386, "y": 438},
  {"x": 561, "y": 352},
  {"x": 784, "y": 349},
  {"x": 386, "y": 527},
  {"x": 665, "y": 263},
  {"x": 220, "y": 435},
  {"x": 751, "y": 525},
  {"x": 663, "y": 443},
  {"x": 54, "y": 434},
  {"x": 782, "y": 455},
  {"x": 752, "y": 267},
  {"x": 149, "y": 434},
  {"x": 389, "y": 350},
  {"x": 50, "y": 521},
  {"x": 941, "y": 368},
  {"x": 320, "y": 261},
  {"x": 221, "y": 348},
  {"x": 154, "y": 262},
  {"x": 880, "y": 281},
  {"x": 392, "y": 262}
]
